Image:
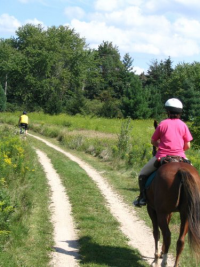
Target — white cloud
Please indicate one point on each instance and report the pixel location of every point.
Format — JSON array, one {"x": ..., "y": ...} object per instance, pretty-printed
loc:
[
  {"x": 74, "y": 12},
  {"x": 154, "y": 28},
  {"x": 35, "y": 22},
  {"x": 24, "y": 1},
  {"x": 187, "y": 28},
  {"x": 152, "y": 37},
  {"x": 193, "y": 3},
  {"x": 8, "y": 23},
  {"x": 108, "y": 5},
  {"x": 154, "y": 5},
  {"x": 111, "y": 5},
  {"x": 43, "y": 2},
  {"x": 125, "y": 17},
  {"x": 138, "y": 70},
  {"x": 132, "y": 30},
  {"x": 173, "y": 45},
  {"x": 98, "y": 31}
]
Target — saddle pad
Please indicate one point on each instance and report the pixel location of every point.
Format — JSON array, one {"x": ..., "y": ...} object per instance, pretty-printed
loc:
[{"x": 150, "y": 179}]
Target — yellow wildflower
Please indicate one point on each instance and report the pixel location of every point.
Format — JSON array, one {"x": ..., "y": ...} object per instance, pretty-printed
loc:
[{"x": 8, "y": 161}]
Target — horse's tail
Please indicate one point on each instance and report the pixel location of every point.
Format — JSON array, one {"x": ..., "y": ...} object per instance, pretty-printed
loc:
[{"x": 192, "y": 196}]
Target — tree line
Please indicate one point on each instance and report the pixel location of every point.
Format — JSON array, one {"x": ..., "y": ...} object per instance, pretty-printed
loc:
[{"x": 53, "y": 70}]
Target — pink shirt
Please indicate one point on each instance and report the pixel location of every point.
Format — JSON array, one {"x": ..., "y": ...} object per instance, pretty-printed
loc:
[{"x": 172, "y": 133}]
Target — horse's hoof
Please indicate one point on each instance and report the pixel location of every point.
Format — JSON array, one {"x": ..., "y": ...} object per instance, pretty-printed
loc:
[
  {"x": 155, "y": 263},
  {"x": 157, "y": 256},
  {"x": 163, "y": 264}
]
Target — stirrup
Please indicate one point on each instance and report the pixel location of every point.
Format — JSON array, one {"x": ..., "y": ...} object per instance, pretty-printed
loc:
[{"x": 139, "y": 202}]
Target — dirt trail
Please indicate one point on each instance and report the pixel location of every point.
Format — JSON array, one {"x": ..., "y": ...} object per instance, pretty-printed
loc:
[
  {"x": 139, "y": 235},
  {"x": 65, "y": 238}
]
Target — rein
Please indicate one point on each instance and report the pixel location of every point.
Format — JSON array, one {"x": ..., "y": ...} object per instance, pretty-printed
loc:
[{"x": 154, "y": 148}]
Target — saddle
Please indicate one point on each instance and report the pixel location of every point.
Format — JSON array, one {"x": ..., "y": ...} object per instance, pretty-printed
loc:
[{"x": 160, "y": 161}]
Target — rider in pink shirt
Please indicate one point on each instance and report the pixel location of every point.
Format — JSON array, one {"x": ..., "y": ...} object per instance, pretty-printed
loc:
[
  {"x": 173, "y": 134},
  {"x": 172, "y": 137}
]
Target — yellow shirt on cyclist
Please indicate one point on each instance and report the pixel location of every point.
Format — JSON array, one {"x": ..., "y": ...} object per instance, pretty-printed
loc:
[{"x": 23, "y": 119}]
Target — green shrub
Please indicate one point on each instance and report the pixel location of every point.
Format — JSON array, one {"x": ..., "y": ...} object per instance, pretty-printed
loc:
[
  {"x": 195, "y": 131},
  {"x": 2, "y": 99},
  {"x": 12, "y": 167},
  {"x": 124, "y": 138},
  {"x": 6, "y": 209},
  {"x": 93, "y": 107}
]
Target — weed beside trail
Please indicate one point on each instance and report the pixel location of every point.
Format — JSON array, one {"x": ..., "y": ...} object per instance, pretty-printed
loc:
[{"x": 24, "y": 216}]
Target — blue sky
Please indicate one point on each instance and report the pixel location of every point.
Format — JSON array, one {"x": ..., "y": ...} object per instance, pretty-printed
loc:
[{"x": 147, "y": 30}]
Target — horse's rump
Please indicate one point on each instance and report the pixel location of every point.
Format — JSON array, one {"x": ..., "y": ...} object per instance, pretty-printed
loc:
[{"x": 164, "y": 192}]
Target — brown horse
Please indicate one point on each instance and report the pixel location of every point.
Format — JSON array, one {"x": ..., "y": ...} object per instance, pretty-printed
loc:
[{"x": 175, "y": 188}]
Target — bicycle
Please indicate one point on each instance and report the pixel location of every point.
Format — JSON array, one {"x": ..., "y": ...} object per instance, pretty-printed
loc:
[{"x": 22, "y": 132}]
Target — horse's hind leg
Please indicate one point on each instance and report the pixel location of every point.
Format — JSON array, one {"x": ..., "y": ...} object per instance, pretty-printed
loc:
[
  {"x": 163, "y": 220},
  {"x": 181, "y": 240},
  {"x": 168, "y": 221},
  {"x": 156, "y": 233}
]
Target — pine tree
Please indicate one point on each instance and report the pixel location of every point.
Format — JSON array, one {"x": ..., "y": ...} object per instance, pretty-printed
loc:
[{"x": 2, "y": 99}]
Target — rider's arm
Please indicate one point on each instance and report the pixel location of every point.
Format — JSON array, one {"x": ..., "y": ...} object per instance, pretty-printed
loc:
[
  {"x": 155, "y": 143},
  {"x": 186, "y": 146}
]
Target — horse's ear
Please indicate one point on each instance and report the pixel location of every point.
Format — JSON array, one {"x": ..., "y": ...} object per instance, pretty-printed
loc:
[
  {"x": 155, "y": 124},
  {"x": 154, "y": 148}
]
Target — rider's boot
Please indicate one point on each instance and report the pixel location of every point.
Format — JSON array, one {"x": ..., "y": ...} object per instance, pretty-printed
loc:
[{"x": 141, "y": 200}]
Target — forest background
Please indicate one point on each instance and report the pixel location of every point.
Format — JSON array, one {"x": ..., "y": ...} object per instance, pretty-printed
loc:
[{"x": 54, "y": 71}]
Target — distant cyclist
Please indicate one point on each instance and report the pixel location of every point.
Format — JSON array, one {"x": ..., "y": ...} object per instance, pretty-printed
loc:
[{"x": 23, "y": 122}]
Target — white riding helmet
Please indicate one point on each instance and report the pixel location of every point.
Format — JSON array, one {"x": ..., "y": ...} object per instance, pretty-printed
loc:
[{"x": 174, "y": 105}]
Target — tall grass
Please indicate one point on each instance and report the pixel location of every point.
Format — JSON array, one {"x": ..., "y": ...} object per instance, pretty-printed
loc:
[
  {"x": 100, "y": 137},
  {"x": 79, "y": 122},
  {"x": 24, "y": 214}
]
